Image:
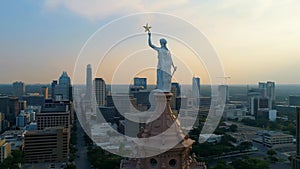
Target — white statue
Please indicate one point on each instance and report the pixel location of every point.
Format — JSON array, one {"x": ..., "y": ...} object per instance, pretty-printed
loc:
[{"x": 163, "y": 74}]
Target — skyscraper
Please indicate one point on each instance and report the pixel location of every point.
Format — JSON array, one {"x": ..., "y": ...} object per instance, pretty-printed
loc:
[
  {"x": 53, "y": 115},
  {"x": 53, "y": 85},
  {"x": 271, "y": 94},
  {"x": 18, "y": 89},
  {"x": 45, "y": 91},
  {"x": 100, "y": 91},
  {"x": 196, "y": 87},
  {"x": 224, "y": 92},
  {"x": 271, "y": 90},
  {"x": 263, "y": 88},
  {"x": 196, "y": 91},
  {"x": 268, "y": 90},
  {"x": 63, "y": 90},
  {"x": 2, "y": 126},
  {"x": 48, "y": 145},
  {"x": 296, "y": 159},
  {"x": 140, "y": 82},
  {"x": 89, "y": 85},
  {"x": 175, "y": 90},
  {"x": 9, "y": 106}
]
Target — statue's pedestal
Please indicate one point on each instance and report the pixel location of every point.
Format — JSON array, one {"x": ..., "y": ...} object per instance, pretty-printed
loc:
[{"x": 164, "y": 133}]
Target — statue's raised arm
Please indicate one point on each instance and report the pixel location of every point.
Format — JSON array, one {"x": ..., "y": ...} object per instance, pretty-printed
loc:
[{"x": 150, "y": 43}]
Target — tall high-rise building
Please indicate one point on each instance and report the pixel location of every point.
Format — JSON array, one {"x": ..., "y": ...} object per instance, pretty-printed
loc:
[
  {"x": 2, "y": 118},
  {"x": 196, "y": 87},
  {"x": 18, "y": 89},
  {"x": 22, "y": 104},
  {"x": 224, "y": 92},
  {"x": 53, "y": 85},
  {"x": 271, "y": 90},
  {"x": 257, "y": 104},
  {"x": 89, "y": 83},
  {"x": 268, "y": 90},
  {"x": 175, "y": 90},
  {"x": 53, "y": 116},
  {"x": 196, "y": 91},
  {"x": 100, "y": 91},
  {"x": 22, "y": 119},
  {"x": 62, "y": 90},
  {"x": 45, "y": 91},
  {"x": 48, "y": 145},
  {"x": 263, "y": 89},
  {"x": 10, "y": 107},
  {"x": 296, "y": 159},
  {"x": 271, "y": 94},
  {"x": 140, "y": 82}
]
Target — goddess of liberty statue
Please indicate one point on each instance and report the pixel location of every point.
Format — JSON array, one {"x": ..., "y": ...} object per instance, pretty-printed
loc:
[{"x": 163, "y": 72}]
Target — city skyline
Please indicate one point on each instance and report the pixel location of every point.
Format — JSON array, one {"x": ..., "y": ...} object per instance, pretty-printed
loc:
[{"x": 255, "y": 40}]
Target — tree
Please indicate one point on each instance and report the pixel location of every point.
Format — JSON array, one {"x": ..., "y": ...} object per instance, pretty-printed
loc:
[
  {"x": 271, "y": 152},
  {"x": 71, "y": 166},
  {"x": 273, "y": 159},
  {"x": 233, "y": 128},
  {"x": 250, "y": 163},
  {"x": 101, "y": 159},
  {"x": 9, "y": 163},
  {"x": 246, "y": 145},
  {"x": 222, "y": 165},
  {"x": 13, "y": 161},
  {"x": 18, "y": 156}
]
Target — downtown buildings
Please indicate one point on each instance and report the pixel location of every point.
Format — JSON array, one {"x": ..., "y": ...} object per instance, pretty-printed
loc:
[
  {"x": 50, "y": 142},
  {"x": 262, "y": 101}
]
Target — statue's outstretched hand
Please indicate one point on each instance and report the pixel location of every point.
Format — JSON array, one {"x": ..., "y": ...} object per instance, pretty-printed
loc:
[{"x": 149, "y": 33}]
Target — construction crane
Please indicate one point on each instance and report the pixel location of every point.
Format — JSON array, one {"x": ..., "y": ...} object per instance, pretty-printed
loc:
[{"x": 225, "y": 78}]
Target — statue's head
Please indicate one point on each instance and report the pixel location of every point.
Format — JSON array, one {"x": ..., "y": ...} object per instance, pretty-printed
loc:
[{"x": 163, "y": 42}]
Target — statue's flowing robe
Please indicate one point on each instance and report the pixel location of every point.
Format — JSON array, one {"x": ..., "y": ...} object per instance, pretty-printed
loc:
[{"x": 164, "y": 70}]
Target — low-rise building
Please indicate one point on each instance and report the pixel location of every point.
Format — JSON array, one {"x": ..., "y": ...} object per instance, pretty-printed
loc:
[
  {"x": 15, "y": 137},
  {"x": 232, "y": 112},
  {"x": 210, "y": 138},
  {"x": 5, "y": 149},
  {"x": 277, "y": 139}
]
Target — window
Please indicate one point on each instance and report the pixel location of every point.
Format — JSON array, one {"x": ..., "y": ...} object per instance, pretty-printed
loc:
[
  {"x": 172, "y": 163},
  {"x": 153, "y": 162}
]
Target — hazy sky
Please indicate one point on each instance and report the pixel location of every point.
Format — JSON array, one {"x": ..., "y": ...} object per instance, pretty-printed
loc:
[{"x": 256, "y": 40}]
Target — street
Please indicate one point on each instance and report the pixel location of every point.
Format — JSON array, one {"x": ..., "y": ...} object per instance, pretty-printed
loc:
[{"x": 81, "y": 160}]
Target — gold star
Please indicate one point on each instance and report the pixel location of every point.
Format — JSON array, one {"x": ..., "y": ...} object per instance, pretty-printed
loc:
[{"x": 147, "y": 28}]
